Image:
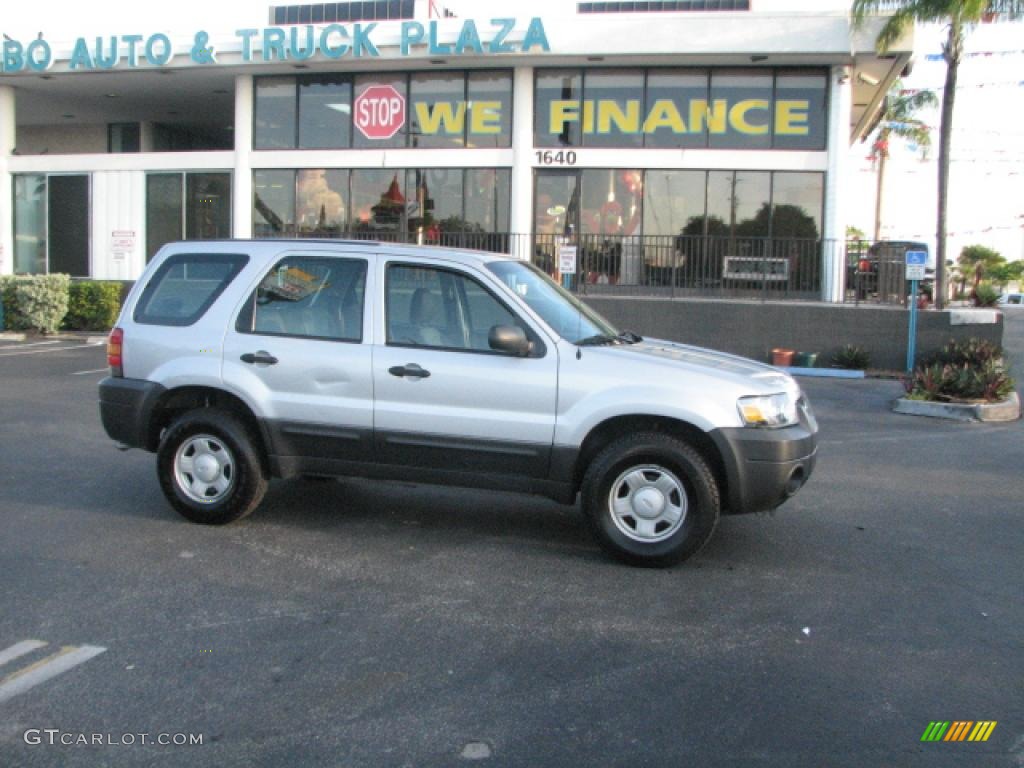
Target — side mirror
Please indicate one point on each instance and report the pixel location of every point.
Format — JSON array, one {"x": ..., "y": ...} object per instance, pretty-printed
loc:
[{"x": 510, "y": 339}]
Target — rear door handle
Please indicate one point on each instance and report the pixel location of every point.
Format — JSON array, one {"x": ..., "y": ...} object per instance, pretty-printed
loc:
[
  {"x": 259, "y": 357},
  {"x": 411, "y": 371}
]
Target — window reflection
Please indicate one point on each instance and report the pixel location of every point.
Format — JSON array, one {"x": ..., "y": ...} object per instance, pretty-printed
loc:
[
  {"x": 320, "y": 203},
  {"x": 273, "y": 204},
  {"x": 29, "y": 223},
  {"x": 378, "y": 202}
]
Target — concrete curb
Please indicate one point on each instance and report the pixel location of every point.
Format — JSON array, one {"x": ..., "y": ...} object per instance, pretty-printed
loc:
[
  {"x": 1007, "y": 410},
  {"x": 11, "y": 336},
  {"x": 824, "y": 373}
]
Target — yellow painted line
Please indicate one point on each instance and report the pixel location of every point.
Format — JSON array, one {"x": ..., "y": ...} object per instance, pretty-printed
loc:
[
  {"x": 988, "y": 731},
  {"x": 19, "y": 649},
  {"x": 55, "y": 664}
]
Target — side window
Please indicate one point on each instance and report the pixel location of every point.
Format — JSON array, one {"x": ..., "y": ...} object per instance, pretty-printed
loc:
[
  {"x": 308, "y": 296},
  {"x": 185, "y": 286},
  {"x": 428, "y": 307}
]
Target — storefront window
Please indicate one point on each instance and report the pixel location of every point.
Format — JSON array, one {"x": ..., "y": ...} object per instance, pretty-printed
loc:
[
  {"x": 611, "y": 202},
  {"x": 273, "y": 204},
  {"x": 434, "y": 201},
  {"x": 275, "y": 113},
  {"x": 796, "y": 205},
  {"x": 398, "y": 82},
  {"x": 320, "y": 203},
  {"x": 674, "y": 202},
  {"x": 378, "y": 202},
  {"x": 487, "y": 193},
  {"x": 489, "y": 99},
  {"x": 557, "y": 95},
  {"x": 437, "y": 110},
  {"x": 29, "y": 224},
  {"x": 612, "y": 104},
  {"x": 800, "y": 110},
  {"x": 739, "y": 115},
  {"x": 325, "y": 112},
  {"x": 668, "y": 121},
  {"x": 738, "y": 203},
  {"x": 164, "y": 201},
  {"x": 721, "y": 109},
  {"x": 207, "y": 206}
]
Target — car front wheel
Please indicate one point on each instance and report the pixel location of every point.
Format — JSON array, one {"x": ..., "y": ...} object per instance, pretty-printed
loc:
[
  {"x": 651, "y": 499},
  {"x": 209, "y": 469}
]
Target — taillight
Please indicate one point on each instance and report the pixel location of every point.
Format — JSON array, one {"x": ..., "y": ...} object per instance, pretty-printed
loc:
[{"x": 115, "y": 343}]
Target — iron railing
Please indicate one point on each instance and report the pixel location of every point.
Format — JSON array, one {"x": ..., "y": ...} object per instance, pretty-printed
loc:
[{"x": 678, "y": 266}]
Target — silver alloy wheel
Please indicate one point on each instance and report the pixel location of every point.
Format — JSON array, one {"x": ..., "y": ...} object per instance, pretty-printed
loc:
[
  {"x": 648, "y": 503},
  {"x": 204, "y": 469}
]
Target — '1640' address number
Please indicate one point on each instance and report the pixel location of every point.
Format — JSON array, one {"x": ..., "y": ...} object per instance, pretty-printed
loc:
[{"x": 551, "y": 157}]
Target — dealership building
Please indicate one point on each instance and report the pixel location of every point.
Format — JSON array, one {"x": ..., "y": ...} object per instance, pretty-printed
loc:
[{"x": 627, "y": 131}]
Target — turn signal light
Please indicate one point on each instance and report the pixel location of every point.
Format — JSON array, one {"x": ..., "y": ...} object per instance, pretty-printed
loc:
[{"x": 115, "y": 343}]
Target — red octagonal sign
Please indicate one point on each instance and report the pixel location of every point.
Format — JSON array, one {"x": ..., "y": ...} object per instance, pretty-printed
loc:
[{"x": 379, "y": 112}]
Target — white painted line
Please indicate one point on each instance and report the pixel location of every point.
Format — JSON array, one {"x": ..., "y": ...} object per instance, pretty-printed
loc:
[
  {"x": 68, "y": 657},
  {"x": 32, "y": 344},
  {"x": 19, "y": 649},
  {"x": 83, "y": 373},
  {"x": 51, "y": 349}
]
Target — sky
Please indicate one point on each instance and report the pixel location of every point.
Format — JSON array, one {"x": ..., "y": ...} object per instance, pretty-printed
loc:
[{"x": 987, "y": 182}]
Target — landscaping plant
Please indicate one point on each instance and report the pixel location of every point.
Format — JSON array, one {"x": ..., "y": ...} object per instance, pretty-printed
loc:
[{"x": 967, "y": 371}]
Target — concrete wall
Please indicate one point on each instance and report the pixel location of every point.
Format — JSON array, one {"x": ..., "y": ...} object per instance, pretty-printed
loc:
[{"x": 752, "y": 329}]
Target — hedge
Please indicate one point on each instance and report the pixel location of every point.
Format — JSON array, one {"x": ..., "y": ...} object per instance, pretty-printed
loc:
[
  {"x": 34, "y": 302},
  {"x": 47, "y": 303},
  {"x": 93, "y": 305}
]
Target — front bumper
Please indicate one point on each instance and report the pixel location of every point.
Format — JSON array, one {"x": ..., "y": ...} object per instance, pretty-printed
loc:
[{"x": 764, "y": 467}]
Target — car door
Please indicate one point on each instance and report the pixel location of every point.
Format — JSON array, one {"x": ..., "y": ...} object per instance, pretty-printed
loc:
[
  {"x": 300, "y": 347},
  {"x": 442, "y": 398}
]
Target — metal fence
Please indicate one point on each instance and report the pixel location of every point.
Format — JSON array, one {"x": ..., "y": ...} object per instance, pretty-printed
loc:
[{"x": 759, "y": 268}]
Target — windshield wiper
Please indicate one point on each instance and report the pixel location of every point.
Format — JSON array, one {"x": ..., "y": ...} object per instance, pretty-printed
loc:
[
  {"x": 630, "y": 338},
  {"x": 598, "y": 340}
]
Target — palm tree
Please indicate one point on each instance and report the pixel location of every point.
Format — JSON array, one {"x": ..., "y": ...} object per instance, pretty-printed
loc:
[
  {"x": 960, "y": 15},
  {"x": 898, "y": 120}
]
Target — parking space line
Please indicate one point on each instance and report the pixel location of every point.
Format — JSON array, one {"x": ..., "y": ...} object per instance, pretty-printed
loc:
[
  {"x": 19, "y": 649},
  {"x": 83, "y": 373},
  {"x": 31, "y": 344},
  {"x": 66, "y": 658},
  {"x": 50, "y": 349}
]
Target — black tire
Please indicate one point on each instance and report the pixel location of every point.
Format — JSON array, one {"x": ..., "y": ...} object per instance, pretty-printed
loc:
[
  {"x": 682, "y": 466},
  {"x": 246, "y": 482}
]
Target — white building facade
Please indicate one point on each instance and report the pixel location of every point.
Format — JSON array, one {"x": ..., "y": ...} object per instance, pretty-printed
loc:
[{"x": 676, "y": 142}]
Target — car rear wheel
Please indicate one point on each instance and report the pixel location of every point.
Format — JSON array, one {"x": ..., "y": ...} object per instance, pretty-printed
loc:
[
  {"x": 651, "y": 499},
  {"x": 209, "y": 468}
]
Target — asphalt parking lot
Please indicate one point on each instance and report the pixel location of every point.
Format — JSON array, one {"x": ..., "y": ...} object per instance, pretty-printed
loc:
[{"x": 383, "y": 624}]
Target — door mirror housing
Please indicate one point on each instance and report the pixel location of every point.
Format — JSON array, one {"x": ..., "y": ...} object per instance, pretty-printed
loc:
[{"x": 510, "y": 339}]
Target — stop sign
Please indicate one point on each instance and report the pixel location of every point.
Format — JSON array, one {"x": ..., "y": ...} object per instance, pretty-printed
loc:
[{"x": 379, "y": 112}]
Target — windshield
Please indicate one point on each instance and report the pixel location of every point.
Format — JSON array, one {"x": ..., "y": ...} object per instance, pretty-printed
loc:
[{"x": 567, "y": 315}]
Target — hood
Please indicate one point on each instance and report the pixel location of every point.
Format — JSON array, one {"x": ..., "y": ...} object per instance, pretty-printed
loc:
[{"x": 705, "y": 361}]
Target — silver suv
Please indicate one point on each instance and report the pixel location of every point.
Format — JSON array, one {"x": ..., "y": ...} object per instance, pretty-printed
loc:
[{"x": 239, "y": 361}]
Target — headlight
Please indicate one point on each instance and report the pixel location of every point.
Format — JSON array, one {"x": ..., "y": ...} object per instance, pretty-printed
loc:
[{"x": 768, "y": 410}]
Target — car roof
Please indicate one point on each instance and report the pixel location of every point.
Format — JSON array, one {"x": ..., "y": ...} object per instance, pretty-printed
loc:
[{"x": 272, "y": 246}]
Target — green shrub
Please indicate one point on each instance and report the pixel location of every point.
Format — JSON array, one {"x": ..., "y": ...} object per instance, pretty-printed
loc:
[
  {"x": 985, "y": 295},
  {"x": 93, "y": 305},
  {"x": 961, "y": 371},
  {"x": 35, "y": 302},
  {"x": 852, "y": 357}
]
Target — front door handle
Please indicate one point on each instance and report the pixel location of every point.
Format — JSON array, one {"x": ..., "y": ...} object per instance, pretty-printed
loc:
[
  {"x": 411, "y": 371},
  {"x": 259, "y": 357}
]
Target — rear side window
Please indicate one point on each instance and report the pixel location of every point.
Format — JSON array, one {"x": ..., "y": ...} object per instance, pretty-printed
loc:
[
  {"x": 308, "y": 296},
  {"x": 185, "y": 286}
]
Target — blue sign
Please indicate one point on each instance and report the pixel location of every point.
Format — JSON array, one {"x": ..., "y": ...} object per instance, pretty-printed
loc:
[
  {"x": 294, "y": 43},
  {"x": 915, "y": 258}
]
